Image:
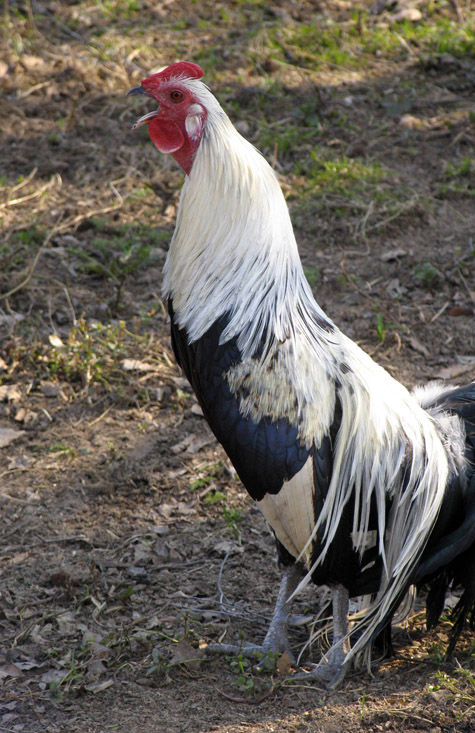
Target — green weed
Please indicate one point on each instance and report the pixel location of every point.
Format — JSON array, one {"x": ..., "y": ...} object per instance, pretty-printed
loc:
[
  {"x": 117, "y": 257},
  {"x": 14, "y": 251},
  {"x": 437, "y": 653},
  {"x": 355, "y": 43},
  {"x": 250, "y": 673},
  {"x": 362, "y": 703},
  {"x": 340, "y": 174},
  {"x": 461, "y": 684},
  {"x": 427, "y": 274},
  {"x": 207, "y": 475},
  {"x": 90, "y": 354},
  {"x": 282, "y": 139},
  {"x": 242, "y": 669},
  {"x": 74, "y": 670},
  {"x": 119, "y": 8},
  {"x": 64, "y": 449},
  {"x": 232, "y": 515},
  {"x": 458, "y": 178},
  {"x": 381, "y": 328},
  {"x": 214, "y": 497}
]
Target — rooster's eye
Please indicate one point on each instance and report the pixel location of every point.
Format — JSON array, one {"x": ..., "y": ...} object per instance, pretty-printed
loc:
[{"x": 176, "y": 95}]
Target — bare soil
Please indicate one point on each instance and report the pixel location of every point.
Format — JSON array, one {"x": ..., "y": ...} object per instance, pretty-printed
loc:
[{"x": 127, "y": 542}]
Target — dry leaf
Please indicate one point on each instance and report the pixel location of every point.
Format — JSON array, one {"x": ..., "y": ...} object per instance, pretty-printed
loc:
[
  {"x": 55, "y": 341},
  {"x": 67, "y": 623},
  {"x": 95, "y": 668},
  {"x": 10, "y": 670},
  {"x": 96, "y": 687},
  {"x": 454, "y": 370},
  {"x": 392, "y": 254},
  {"x": 410, "y": 14},
  {"x": 223, "y": 547},
  {"x": 135, "y": 365},
  {"x": 199, "y": 442},
  {"x": 460, "y": 310},
  {"x": 411, "y": 122},
  {"x": 419, "y": 346},
  {"x": 49, "y": 389},
  {"x": 8, "y": 435},
  {"x": 182, "y": 445},
  {"x": 10, "y": 393},
  {"x": 20, "y": 463},
  {"x": 193, "y": 443},
  {"x": 181, "y": 383},
  {"x": 142, "y": 553},
  {"x": 184, "y": 653},
  {"x": 284, "y": 664},
  {"x": 53, "y": 675}
]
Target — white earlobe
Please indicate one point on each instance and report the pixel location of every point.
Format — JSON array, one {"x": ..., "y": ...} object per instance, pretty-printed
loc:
[{"x": 194, "y": 121}]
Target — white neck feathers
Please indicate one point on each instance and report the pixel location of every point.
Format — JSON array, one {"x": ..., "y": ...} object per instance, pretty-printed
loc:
[{"x": 234, "y": 250}]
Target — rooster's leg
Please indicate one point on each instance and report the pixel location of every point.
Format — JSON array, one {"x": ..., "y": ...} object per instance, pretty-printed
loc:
[
  {"x": 331, "y": 668},
  {"x": 276, "y": 640}
]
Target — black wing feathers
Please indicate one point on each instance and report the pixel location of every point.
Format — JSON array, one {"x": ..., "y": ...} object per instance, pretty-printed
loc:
[{"x": 265, "y": 453}]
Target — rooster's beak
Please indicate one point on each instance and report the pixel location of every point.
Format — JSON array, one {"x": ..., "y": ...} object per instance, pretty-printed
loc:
[
  {"x": 150, "y": 115},
  {"x": 137, "y": 90}
]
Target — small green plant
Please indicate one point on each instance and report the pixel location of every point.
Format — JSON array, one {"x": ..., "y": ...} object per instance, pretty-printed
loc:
[
  {"x": 356, "y": 42},
  {"x": 461, "y": 684},
  {"x": 63, "y": 448},
  {"x": 427, "y": 274},
  {"x": 381, "y": 328},
  {"x": 437, "y": 653},
  {"x": 14, "y": 251},
  {"x": 73, "y": 674},
  {"x": 251, "y": 674},
  {"x": 232, "y": 517},
  {"x": 242, "y": 668},
  {"x": 458, "y": 178},
  {"x": 362, "y": 702},
  {"x": 207, "y": 475},
  {"x": 214, "y": 497},
  {"x": 159, "y": 664},
  {"x": 117, "y": 257},
  {"x": 464, "y": 168},
  {"x": 91, "y": 353}
]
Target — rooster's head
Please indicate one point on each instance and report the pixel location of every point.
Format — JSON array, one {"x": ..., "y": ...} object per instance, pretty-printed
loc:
[{"x": 176, "y": 125}]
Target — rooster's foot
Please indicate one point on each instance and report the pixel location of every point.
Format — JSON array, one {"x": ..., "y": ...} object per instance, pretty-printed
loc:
[{"x": 276, "y": 641}]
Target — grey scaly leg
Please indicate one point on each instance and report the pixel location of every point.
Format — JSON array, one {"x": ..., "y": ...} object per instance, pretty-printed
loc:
[
  {"x": 331, "y": 668},
  {"x": 276, "y": 640}
]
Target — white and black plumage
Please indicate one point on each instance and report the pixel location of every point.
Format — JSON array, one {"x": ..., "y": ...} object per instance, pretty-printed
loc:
[{"x": 367, "y": 487}]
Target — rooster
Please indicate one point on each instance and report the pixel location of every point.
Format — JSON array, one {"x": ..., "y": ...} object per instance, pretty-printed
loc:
[{"x": 369, "y": 489}]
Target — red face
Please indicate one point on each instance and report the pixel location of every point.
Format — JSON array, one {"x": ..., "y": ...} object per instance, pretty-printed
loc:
[{"x": 177, "y": 125}]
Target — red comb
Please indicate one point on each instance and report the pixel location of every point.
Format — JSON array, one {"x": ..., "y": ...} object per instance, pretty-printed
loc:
[{"x": 183, "y": 69}]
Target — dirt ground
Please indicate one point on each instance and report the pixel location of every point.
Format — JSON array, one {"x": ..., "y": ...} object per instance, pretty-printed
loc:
[{"x": 127, "y": 542}]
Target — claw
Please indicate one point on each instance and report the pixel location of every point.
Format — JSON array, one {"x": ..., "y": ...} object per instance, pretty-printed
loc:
[{"x": 331, "y": 675}]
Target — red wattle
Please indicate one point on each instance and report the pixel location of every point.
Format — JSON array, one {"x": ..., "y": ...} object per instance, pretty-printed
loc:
[{"x": 166, "y": 135}]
